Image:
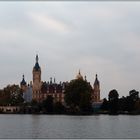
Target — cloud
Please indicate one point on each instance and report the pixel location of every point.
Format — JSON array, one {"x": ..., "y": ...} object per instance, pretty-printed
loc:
[
  {"x": 8, "y": 35},
  {"x": 47, "y": 22},
  {"x": 95, "y": 37}
]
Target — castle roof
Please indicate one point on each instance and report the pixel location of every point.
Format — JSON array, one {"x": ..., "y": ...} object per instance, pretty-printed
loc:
[
  {"x": 23, "y": 82},
  {"x": 96, "y": 81},
  {"x": 52, "y": 87},
  {"x": 37, "y": 67}
]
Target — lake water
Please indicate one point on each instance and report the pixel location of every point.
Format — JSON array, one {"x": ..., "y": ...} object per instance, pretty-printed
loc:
[{"x": 63, "y": 126}]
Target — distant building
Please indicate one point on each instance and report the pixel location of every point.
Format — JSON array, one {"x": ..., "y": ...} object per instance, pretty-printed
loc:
[
  {"x": 39, "y": 90},
  {"x": 26, "y": 90},
  {"x": 9, "y": 109}
]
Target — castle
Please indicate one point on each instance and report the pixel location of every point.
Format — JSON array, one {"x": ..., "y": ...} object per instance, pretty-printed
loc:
[{"x": 39, "y": 90}]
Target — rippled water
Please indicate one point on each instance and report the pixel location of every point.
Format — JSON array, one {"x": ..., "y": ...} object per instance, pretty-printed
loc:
[{"x": 62, "y": 126}]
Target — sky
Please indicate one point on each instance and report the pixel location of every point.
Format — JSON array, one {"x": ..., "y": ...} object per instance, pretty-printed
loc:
[{"x": 95, "y": 37}]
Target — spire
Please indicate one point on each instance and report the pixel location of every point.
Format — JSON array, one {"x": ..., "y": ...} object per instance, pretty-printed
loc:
[
  {"x": 96, "y": 80},
  {"x": 51, "y": 80},
  {"x": 54, "y": 80},
  {"x": 37, "y": 67},
  {"x": 85, "y": 78},
  {"x": 37, "y": 58},
  {"x": 79, "y": 72}
]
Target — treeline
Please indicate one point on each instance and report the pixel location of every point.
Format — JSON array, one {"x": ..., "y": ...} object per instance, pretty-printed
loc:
[
  {"x": 12, "y": 95},
  {"x": 124, "y": 105},
  {"x": 77, "y": 101},
  {"x": 48, "y": 106}
]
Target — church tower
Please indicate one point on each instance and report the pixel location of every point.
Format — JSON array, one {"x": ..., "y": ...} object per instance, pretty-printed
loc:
[
  {"x": 96, "y": 90},
  {"x": 36, "y": 81}
]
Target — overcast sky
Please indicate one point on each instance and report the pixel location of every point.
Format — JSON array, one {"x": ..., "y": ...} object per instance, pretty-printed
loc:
[{"x": 95, "y": 37}]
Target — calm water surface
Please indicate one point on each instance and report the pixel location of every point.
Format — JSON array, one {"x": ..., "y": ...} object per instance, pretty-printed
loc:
[{"x": 61, "y": 126}]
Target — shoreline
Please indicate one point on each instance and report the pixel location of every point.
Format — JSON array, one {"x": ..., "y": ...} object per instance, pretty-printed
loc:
[{"x": 93, "y": 114}]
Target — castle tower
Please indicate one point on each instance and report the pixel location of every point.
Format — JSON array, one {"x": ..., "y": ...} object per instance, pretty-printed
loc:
[
  {"x": 23, "y": 84},
  {"x": 96, "y": 90},
  {"x": 36, "y": 87}
]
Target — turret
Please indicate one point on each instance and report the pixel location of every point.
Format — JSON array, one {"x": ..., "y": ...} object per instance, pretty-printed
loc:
[
  {"x": 96, "y": 83},
  {"x": 23, "y": 84},
  {"x": 96, "y": 90}
]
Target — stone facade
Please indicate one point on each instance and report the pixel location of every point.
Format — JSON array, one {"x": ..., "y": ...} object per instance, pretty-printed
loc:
[{"x": 54, "y": 89}]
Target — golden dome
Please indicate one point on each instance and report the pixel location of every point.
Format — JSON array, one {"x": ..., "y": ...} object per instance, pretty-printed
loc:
[{"x": 79, "y": 76}]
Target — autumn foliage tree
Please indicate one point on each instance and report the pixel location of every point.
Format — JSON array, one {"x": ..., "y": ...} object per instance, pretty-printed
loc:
[{"x": 11, "y": 95}]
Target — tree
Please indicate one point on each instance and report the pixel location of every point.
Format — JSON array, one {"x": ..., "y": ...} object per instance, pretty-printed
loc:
[
  {"x": 113, "y": 101},
  {"x": 134, "y": 94},
  {"x": 16, "y": 95},
  {"x": 78, "y": 95},
  {"x": 11, "y": 95},
  {"x": 113, "y": 94},
  {"x": 105, "y": 105},
  {"x": 35, "y": 106},
  {"x": 4, "y": 97},
  {"x": 59, "y": 108},
  {"x": 34, "y": 103},
  {"x": 85, "y": 102},
  {"x": 137, "y": 105},
  {"x": 131, "y": 100},
  {"x": 122, "y": 104},
  {"x": 47, "y": 104}
]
